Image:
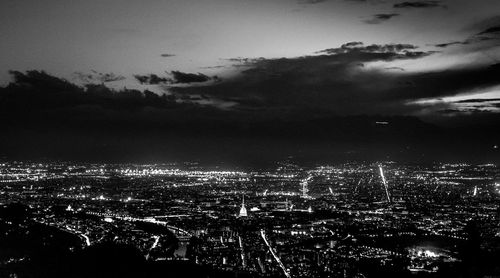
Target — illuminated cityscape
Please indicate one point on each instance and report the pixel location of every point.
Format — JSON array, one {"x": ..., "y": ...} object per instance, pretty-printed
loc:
[
  {"x": 346, "y": 220},
  {"x": 250, "y": 139}
]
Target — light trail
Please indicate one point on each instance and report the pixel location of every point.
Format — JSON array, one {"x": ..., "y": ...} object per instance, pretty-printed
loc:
[
  {"x": 155, "y": 243},
  {"x": 157, "y": 239},
  {"x": 78, "y": 233},
  {"x": 243, "y": 258},
  {"x": 278, "y": 260},
  {"x": 175, "y": 230},
  {"x": 385, "y": 183},
  {"x": 87, "y": 239},
  {"x": 69, "y": 230}
]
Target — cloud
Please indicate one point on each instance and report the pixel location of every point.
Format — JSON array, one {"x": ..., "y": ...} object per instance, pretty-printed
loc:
[
  {"x": 395, "y": 68},
  {"x": 373, "y": 48},
  {"x": 98, "y": 77},
  {"x": 491, "y": 105},
  {"x": 485, "y": 35},
  {"x": 213, "y": 67},
  {"x": 242, "y": 62},
  {"x": 151, "y": 79},
  {"x": 187, "y": 78},
  {"x": 483, "y": 24},
  {"x": 417, "y": 4},
  {"x": 491, "y": 30},
  {"x": 303, "y": 103},
  {"x": 447, "y": 44},
  {"x": 312, "y": 1},
  {"x": 478, "y": 100},
  {"x": 177, "y": 77},
  {"x": 321, "y": 1},
  {"x": 36, "y": 91},
  {"x": 379, "y": 18},
  {"x": 334, "y": 83},
  {"x": 239, "y": 60},
  {"x": 385, "y": 52}
]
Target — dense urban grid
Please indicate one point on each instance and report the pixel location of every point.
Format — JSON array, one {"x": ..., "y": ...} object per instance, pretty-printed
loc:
[{"x": 373, "y": 219}]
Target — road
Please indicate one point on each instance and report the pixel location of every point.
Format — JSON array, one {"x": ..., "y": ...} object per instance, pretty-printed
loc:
[{"x": 278, "y": 260}]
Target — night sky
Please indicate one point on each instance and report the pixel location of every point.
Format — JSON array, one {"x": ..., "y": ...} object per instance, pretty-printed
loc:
[{"x": 240, "y": 81}]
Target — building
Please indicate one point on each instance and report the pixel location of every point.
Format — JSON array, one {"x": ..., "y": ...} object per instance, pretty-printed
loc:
[{"x": 243, "y": 209}]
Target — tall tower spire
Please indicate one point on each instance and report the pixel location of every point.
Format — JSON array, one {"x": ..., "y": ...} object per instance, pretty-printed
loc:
[
  {"x": 305, "y": 187},
  {"x": 243, "y": 209}
]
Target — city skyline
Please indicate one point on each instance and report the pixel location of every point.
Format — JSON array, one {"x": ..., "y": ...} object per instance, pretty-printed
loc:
[{"x": 67, "y": 219}]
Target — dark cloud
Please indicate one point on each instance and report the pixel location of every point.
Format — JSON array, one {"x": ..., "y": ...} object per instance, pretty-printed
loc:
[
  {"x": 379, "y": 18},
  {"x": 321, "y": 1},
  {"x": 385, "y": 52},
  {"x": 311, "y": 1},
  {"x": 186, "y": 78},
  {"x": 395, "y": 68},
  {"x": 485, "y": 31},
  {"x": 240, "y": 62},
  {"x": 450, "y": 111},
  {"x": 485, "y": 36},
  {"x": 152, "y": 79},
  {"x": 166, "y": 55},
  {"x": 352, "y": 44},
  {"x": 478, "y": 106},
  {"x": 334, "y": 83},
  {"x": 491, "y": 30},
  {"x": 178, "y": 77},
  {"x": 483, "y": 24},
  {"x": 478, "y": 100},
  {"x": 213, "y": 67},
  {"x": 417, "y": 4},
  {"x": 444, "y": 45},
  {"x": 475, "y": 42},
  {"x": 467, "y": 110},
  {"x": 37, "y": 90},
  {"x": 373, "y": 48},
  {"x": 45, "y": 116},
  {"x": 98, "y": 77},
  {"x": 38, "y": 100}
]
